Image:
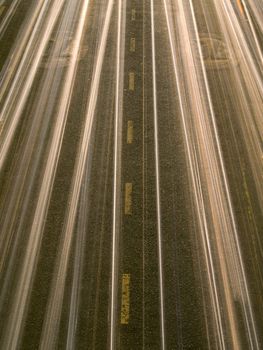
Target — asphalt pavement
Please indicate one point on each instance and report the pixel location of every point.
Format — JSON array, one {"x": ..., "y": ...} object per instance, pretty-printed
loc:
[{"x": 131, "y": 197}]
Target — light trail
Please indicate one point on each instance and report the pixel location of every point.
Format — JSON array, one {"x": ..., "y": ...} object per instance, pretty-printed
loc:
[
  {"x": 252, "y": 27},
  {"x": 227, "y": 289},
  {"x": 117, "y": 168},
  {"x": 257, "y": 10},
  {"x": 242, "y": 96},
  {"x": 79, "y": 256},
  {"x": 238, "y": 267},
  {"x": 23, "y": 80},
  {"x": 241, "y": 7},
  {"x": 224, "y": 227},
  {"x": 195, "y": 175},
  {"x": 144, "y": 183},
  {"x": 28, "y": 266},
  {"x": 9, "y": 71},
  {"x": 249, "y": 90},
  {"x": 26, "y": 170},
  {"x": 8, "y": 16},
  {"x": 157, "y": 167},
  {"x": 208, "y": 153},
  {"x": 54, "y": 307},
  {"x": 20, "y": 192}
]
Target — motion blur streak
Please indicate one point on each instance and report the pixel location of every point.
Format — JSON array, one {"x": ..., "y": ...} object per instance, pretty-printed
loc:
[
  {"x": 117, "y": 168},
  {"x": 195, "y": 175},
  {"x": 131, "y": 197},
  {"x": 53, "y": 314},
  {"x": 157, "y": 166},
  {"x": 11, "y": 10},
  {"x": 14, "y": 57},
  {"x": 25, "y": 73},
  {"x": 24, "y": 283},
  {"x": 248, "y": 72},
  {"x": 223, "y": 229}
]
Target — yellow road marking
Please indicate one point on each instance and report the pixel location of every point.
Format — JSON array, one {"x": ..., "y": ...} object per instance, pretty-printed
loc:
[
  {"x": 132, "y": 45},
  {"x": 128, "y": 199},
  {"x": 2, "y": 7},
  {"x": 241, "y": 7},
  {"x": 130, "y": 132},
  {"x": 125, "y": 300},
  {"x": 131, "y": 81},
  {"x": 133, "y": 15}
]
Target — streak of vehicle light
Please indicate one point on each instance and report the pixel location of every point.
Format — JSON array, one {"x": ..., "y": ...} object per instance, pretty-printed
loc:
[
  {"x": 236, "y": 249},
  {"x": 256, "y": 9},
  {"x": 249, "y": 89},
  {"x": 252, "y": 27},
  {"x": 157, "y": 168},
  {"x": 21, "y": 85},
  {"x": 14, "y": 58},
  {"x": 55, "y": 302},
  {"x": 231, "y": 26},
  {"x": 117, "y": 167},
  {"x": 19, "y": 195},
  {"x": 10, "y": 12},
  {"x": 25, "y": 173},
  {"x": 241, "y": 7},
  {"x": 24, "y": 284},
  {"x": 194, "y": 171},
  {"x": 79, "y": 255}
]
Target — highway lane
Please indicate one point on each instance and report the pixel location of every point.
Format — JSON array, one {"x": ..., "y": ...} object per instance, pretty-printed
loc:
[
  {"x": 224, "y": 88},
  {"x": 131, "y": 171},
  {"x": 98, "y": 19},
  {"x": 184, "y": 314},
  {"x": 249, "y": 317}
]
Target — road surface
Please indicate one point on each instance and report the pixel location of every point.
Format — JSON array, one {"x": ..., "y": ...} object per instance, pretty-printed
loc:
[{"x": 131, "y": 198}]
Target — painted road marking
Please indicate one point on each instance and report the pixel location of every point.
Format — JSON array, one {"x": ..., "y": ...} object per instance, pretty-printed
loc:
[
  {"x": 133, "y": 15},
  {"x": 131, "y": 81},
  {"x": 125, "y": 300},
  {"x": 128, "y": 198},
  {"x": 132, "y": 44},
  {"x": 130, "y": 132}
]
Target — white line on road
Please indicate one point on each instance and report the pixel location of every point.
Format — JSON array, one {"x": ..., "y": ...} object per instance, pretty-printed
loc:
[
  {"x": 117, "y": 166},
  {"x": 156, "y": 148}
]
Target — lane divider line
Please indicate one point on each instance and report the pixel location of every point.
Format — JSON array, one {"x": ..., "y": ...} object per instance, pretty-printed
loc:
[
  {"x": 128, "y": 198},
  {"x": 131, "y": 81},
  {"x": 130, "y": 132},
  {"x": 157, "y": 167}
]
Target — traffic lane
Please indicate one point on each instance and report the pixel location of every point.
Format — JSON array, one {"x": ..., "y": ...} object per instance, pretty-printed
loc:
[
  {"x": 45, "y": 91},
  {"x": 92, "y": 319},
  {"x": 241, "y": 166},
  {"x": 92, "y": 297},
  {"x": 12, "y": 19},
  {"x": 248, "y": 17},
  {"x": 22, "y": 172},
  {"x": 246, "y": 202},
  {"x": 75, "y": 123},
  {"x": 136, "y": 293},
  {"x": 212, "y": 229},
  {"x": 152, "y": 299},
  {"x": 93, "y": 328},
  {"x": 185, "y": 317}
]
